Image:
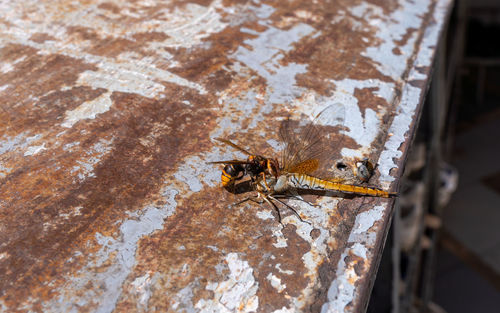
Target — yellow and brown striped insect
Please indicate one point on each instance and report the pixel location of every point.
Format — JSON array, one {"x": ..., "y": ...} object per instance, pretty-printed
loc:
[
  {"x": 255, "y": 166},
  {"x": 302, "y": 158}
]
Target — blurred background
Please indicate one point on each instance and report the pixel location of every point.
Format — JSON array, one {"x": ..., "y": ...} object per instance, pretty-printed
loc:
[{"x": 443, "y": 251}]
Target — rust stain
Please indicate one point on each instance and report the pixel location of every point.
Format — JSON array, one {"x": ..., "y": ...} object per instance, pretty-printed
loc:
[
  {"x": 41, "y": 37},
  {"x": 36, "y": 229}
]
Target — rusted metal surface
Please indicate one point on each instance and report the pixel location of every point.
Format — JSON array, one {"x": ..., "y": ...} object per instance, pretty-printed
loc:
[{"x": 107, "y": 114}]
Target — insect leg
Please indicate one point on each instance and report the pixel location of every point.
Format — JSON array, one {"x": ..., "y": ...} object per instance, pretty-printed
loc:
[
  {"x": 288, "y": 206},
  {"x": 253, "y": 199},
  {"x": 295, "y": 197},
  {"x": 265, "y": 197}
]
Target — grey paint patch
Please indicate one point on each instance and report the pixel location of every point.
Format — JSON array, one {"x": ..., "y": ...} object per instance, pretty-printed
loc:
[
  {"x": 122, "y": 253},
  {"x": 266, "y": 54},
  {"x": 237, "y": 293}
]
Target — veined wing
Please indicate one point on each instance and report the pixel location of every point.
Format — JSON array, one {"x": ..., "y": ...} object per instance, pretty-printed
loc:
[
  {"x": 227, "y": 142},
  {"x": 306, "y": 147},
  {"x": 229, "y": 162}
]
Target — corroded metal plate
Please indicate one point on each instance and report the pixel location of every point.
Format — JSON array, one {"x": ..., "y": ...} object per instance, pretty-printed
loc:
[{"x": 107, "y": 117}]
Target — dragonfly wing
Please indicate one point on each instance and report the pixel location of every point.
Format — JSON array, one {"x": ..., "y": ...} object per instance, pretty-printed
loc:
[
  {"x": 227, "y": 142},
  {"x": 229, "y": 162},
  {"x": 305, "y": 147},
  {"x": 305, "y": 167}
]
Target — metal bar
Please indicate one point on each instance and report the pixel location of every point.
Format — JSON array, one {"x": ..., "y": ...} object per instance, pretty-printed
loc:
[{"x": 109, "y": 111}]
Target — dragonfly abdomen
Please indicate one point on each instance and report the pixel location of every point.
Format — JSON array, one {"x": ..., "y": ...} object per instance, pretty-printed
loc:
[{"x": 303, "y": 181}]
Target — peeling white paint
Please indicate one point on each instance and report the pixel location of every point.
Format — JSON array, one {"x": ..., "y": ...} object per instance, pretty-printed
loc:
[
  {"x": 366, "y": 220},
  {"x": 276, "y": 282},
  {"x": 188, "y": 25},
  {"x": 265, "y": 53},
  {"x": 182, "y": 300},
  {"x": 88, "y": 110},
  {"x": 281, "y": 241},
  {"x": 411, "y": 95},
  {"x": 285, "y": 310},
  {"x": 287, "y": 272},
  {"x": 342, "y": 290},
  {"x": 142, "y": 288},
  {"x": 390, "y": 29},
  {"x": 119, "y": 253},
  {"x": 139, "y": 76},
  {"x": 265, "y": 215},
  {"x": 85, "y": 166},
  {"x": 236, "y": 294},
  {"x": 195, "y": 176},
  {"x": 363, "y": 127},
  {"x": 363, "y": 237},
  {"x": 34, "y": 150}
]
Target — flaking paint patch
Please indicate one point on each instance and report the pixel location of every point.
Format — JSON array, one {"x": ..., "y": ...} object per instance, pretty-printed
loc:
[
  {"x": 276, "y": 282},
  {"x": 312, "y": 259},
  {"x": 390, "y": 29},
  {"x": 365, "y": 220},
  {"x": 129, "y": 79},
  {"x": 342, "y": 289},
  {"x": 139, "y": 75},
  {"x": 84, "y": 167},
  {"x": 6, "y": 67},
  {"x": 183, "y": 299},
  {"x": 410, "y": 98},
  {"x": 34, "y": 150},
  {"x": 287, "y": 272},
  {"x": 195, "y": 173},
  {"x": 281, "y": 241},
  {"x": 285, "y": 310},
  {"x": 88, "y": 110},
  {"x": 265, "y": 55},
  {"x": 19, "y": 143},
  {"x": 236, "y": 294},
  {"x": 247, "y": 104},
  {"x": 265, "y": 215},
  {"x": 188, "y": 25},
  {"x": 362, "y": 126},
  {"x": 142, "y": 288},
  {"x": 121, "y": 252}
]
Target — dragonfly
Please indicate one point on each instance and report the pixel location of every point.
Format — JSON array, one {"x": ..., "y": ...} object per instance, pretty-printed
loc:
[{"x": 302, "y": 165}]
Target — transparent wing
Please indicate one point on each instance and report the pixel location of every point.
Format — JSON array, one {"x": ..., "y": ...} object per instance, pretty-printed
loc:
[
  {"x": 228, "y": 142},
  {"x": 307, "y": 147}
]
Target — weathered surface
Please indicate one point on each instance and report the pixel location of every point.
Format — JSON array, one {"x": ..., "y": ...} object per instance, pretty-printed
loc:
[{"x": 107, "y": 114}]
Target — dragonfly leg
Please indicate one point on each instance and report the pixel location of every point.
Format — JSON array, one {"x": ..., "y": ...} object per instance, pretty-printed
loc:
[
  {"x": 288, "y": 206},
  {"x": 265, "y": 197},
  {"x": 296, "y": 198},
  {"x": 265, "y": 181},
  {"x": 253, "y": 199}
]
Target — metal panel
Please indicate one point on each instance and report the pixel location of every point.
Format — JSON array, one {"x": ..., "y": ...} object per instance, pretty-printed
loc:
[{"x": 107, "y": 114}]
